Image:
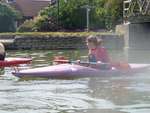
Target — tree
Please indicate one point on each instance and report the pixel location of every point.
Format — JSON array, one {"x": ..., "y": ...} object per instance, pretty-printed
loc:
[
  {"x": 97, "y": 14},
  {"x": 72, "y": 15},
  {"x": 44, "y": 23},
  {"x": 8, "y": 16},
  {"x": 46, "y": 20},
  {"x": 114, "y": 13}
]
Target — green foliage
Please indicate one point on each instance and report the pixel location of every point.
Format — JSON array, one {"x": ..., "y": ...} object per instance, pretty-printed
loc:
[
  {"x": 8, "y": 16},
  {"x": 72, "y": 15},
  {"x": 27, "y": 26},
  {"x": 97, "y": 14},
  {"x": 45, "y": 23},
  {"x": 46, "y": 20},
  {"x": 114, "y": 13}
]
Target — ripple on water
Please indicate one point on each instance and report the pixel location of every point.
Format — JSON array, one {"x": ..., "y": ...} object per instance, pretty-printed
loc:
[
  {"x": 122, "y": 94},
  {"x": 51, "y": 94}
]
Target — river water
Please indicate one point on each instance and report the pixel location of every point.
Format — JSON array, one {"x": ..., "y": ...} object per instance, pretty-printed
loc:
[{"x": 115, "y": 94}]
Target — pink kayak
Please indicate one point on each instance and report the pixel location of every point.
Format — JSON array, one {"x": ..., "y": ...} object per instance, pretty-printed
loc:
[{"x": 63, "y": 71}]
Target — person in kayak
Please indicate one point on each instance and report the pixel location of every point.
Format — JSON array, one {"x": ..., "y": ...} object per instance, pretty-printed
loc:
[
  {"x": 97, "y": 53},
  {"x": 2, "y": 52},
  {"x": 98, "y": 57}
]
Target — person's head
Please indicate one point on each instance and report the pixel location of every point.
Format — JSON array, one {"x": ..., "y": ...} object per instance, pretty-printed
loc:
[{"x": 93, "y": 42}]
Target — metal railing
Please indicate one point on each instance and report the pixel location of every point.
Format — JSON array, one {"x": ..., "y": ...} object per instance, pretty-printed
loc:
[{"x": 132, "y": 8}]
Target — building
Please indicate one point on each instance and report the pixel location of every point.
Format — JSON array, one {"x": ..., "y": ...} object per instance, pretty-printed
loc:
[{"x": 28, "y": 8}]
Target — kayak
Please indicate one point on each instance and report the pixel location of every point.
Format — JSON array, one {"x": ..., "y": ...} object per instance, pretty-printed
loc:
[
  {"x": 63, "y": 71},
  {"x": 8, "y": 62}
]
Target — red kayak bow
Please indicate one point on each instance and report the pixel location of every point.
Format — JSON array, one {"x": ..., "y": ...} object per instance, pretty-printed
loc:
[{"x": 8, "y": 62}]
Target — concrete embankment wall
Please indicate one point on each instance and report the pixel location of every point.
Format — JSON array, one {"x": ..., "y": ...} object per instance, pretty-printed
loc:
[
  {"x": 137, "y": 41},
  {"x": 41, "y": 42},
  {"x": 137, "y": 35}
]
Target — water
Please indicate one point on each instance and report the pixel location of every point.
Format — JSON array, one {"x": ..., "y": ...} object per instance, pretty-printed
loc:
[{"x": 121, "y": 94}]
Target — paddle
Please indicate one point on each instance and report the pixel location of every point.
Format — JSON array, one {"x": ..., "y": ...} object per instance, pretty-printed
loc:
[
  {"x": 95, "y": 65},
  {"x": 118, "y": 65},
  {"x": 74, "y": 62}
]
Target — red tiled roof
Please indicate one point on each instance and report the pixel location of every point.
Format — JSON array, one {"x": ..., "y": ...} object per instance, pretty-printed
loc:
[{"x": 30, "y": 8}]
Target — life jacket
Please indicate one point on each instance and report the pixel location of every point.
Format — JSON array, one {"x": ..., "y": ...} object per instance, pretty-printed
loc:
[{"x": 98, "y": 54}]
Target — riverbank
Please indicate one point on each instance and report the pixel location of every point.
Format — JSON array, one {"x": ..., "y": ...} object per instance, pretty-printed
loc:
[{"x": 57, "y": 40}]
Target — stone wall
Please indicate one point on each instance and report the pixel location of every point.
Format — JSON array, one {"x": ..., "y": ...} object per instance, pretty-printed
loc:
[
  {"x": 112, "y": 41},
  {"x": 46, "y": 42}
]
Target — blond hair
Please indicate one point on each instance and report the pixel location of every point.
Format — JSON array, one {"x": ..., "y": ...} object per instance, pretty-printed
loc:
[{"x": 94, "y": 39}]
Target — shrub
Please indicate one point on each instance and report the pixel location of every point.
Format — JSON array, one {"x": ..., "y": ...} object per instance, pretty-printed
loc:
[
  {"x": 27, "y": 26},
  {"x": 45, "y": 23}
]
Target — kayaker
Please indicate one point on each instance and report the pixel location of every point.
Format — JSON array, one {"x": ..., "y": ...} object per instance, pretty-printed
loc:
[
  {"x": 98, "y": 56},
  {"x": 97, "y": 53},
  {"x": 2, "y": 52}
]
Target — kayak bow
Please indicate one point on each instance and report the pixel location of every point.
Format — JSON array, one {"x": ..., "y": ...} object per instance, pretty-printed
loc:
[{"x": 8, "y": 62}]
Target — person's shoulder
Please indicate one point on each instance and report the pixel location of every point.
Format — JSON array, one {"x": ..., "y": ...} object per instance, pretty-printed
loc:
[
  {"x": 1, "y": 44},
  {"x": 101, "y": 48}
]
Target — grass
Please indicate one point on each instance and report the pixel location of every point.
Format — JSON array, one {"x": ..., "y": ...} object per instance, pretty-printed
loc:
[{"x": 62, "y": 34}]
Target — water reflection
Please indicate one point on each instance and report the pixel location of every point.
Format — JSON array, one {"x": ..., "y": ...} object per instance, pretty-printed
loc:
[
  {"x": 138, "y": 56},
  {"x": 114, "y": 94}
]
